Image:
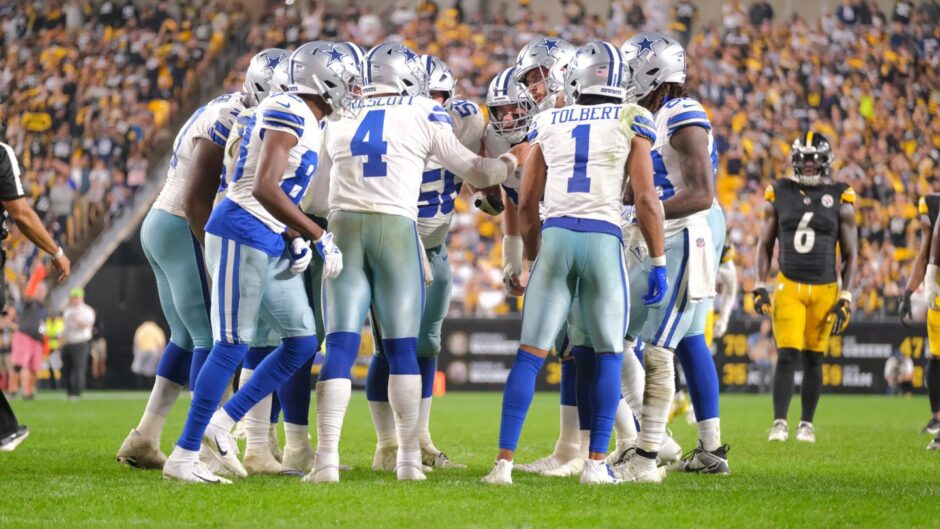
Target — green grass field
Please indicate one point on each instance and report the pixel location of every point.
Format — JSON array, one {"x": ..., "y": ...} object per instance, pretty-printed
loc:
[{"x": 869, "y": 469}]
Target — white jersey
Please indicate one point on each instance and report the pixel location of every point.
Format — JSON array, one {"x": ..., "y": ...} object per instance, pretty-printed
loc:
[
  {"x": 212, "y": 121},
  {"x": 440, "y": 187},
  {"x": 378, "y": 157},
  {"x": 239, "y": 216},
  {"x": 496, "y": 146},
  {"x": 585, "y": 149},
  {"x": 667, "y": 175},
  {"x": 232, "y": 143}
]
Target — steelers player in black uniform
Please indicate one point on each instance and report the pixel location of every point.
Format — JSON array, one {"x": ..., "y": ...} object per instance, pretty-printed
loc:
[
  {"x": 808, "y": 214},
  {"x": 921, "y": 271},
  {"x": 727, "y": 280}
]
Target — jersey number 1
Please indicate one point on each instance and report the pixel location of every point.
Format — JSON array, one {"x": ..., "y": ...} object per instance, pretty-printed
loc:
[
  {"x": 805, "y": 236},
  {"x": 369, "y": 142},
  {"x": 579, "y": 181}
]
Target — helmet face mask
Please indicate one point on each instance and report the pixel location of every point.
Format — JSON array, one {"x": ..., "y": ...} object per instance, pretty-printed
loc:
[
  {"x": 811, "y": 158},
  {"x": 324, "y": 69},
  {"x": 540, "y": 68},
  {"x": 440, "y": 79},
  {"x": 510, "y": 110}
]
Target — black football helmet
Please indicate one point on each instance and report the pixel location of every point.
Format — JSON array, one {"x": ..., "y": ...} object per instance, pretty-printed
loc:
[{"x": 811, "y": 158}]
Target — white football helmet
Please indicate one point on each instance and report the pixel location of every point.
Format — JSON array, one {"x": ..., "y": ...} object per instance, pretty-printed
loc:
[
  {"x": 652, "y": 59},
  {"x": 392, "y": 68},
  {"x": 325, "y": 69},
  {"x": 260, "y": 70},
  {"x": 597, "y": 69},
  {"x": 503, "y": 92},
  {"x": 440, "y": 78},
  {"x": 550, "y": 55}
]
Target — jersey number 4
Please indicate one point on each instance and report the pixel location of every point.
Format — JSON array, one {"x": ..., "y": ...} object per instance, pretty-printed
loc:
[
  {"x": 368, "y": 141},
  {"x": 579, "y": 181},
  {"x": 805, "y": 236}
]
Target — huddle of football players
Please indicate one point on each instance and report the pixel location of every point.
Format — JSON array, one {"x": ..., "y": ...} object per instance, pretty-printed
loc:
[{"x": 603, "y": 170}]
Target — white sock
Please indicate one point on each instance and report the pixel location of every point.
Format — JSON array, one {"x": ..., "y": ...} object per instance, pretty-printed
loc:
[
  {"x": 624, "y": 426},
  {"x": 257, "y": 424},
  {"x": 632, "y": 378},
  {"x": 296, "y": 436},
  {"x": 221, "y": 419},
  {"x": 181, "y": 454},
  {"x": 569, "y": 437},
  {"x": 383, "y": 418},
  {"x": 424, "y": 425},
  {"x": 332, "y": 401},
  {"x": 709, "y": 432},
  {"x": 162, "y": 397},
  {"x": 404, "y": 396},
  {"x": 657, "y": 399},
  {"x": 585, "y": 436}
]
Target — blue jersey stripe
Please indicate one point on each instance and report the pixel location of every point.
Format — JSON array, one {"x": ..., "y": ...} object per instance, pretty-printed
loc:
[
  {"x": 692, "y": 114},
  {"x": 643, "y": 120},
  {"x": 532, "y": 135},
  {"x": 285, "y": 116},
  {"x": 440, "y": 118},
  {"x": 645, "y": 132},
  {"x": 271, "y": 124},
  {"x": 704, "y": 124}
]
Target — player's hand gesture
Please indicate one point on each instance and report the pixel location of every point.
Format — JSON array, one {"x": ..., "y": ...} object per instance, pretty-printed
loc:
[
  {"x": 842, "y": 313},
  {"x": 761, "y": 301},
  {"x": 657, "y": 285},
  {"x": 489, "y": 203},
  {"x": 904, "y": 310},
  {"x": 332, "y": 257},
  {"x": 300, "y": 254}
]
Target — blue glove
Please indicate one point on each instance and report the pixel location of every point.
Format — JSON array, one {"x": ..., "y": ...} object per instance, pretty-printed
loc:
[{"x": 656, "y": 285}]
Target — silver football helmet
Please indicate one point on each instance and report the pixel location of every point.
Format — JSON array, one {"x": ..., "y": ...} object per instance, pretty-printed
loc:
[
  {"x": 550, "y": 56},
  {"x": 392, "y": 68},
  {"x": 652, "y": 59},
  {"x": 324, "y": 69},
  {"x": 281, "y": 77},
  {"x": 597, "y": 69},
  {"x": 260, "y": 70},
  {"x": 440, "y": 78},
  {"x": 510, "y": 110}
]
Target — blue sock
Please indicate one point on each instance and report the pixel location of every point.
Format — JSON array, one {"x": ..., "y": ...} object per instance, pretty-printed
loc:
[
  {"x": 584, "y": 375},
  {"x": 210, "y": 385},
  {"x": 200, "y": 356},
  {"x": 175, "y": 364},
  {"x": 273, "y": 371},
  {"x": 605, "y": 397},
  {"x": 701, "y": 376},
  {"x": 255, "y": 356},
  {"x": 402, "y": 356},
  {"x": 294, "y": 395},
  {"x": 377, "y": 380},
  {"x": 342, "y": 348},
  {"x": 638, "y": 350},
  {"x": 569, "y": 396},
  {"x": 276, "y": 407},
  {"x": 517, "y": 397},
  {"x": 428, "y": 368}
]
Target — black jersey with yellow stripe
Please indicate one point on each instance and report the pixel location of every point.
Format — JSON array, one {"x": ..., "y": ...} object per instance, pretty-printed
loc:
[
  {"x": 929, "y": 206},
  {"x": 727, "y": 250},
  {"x": 808, "y": 228}
]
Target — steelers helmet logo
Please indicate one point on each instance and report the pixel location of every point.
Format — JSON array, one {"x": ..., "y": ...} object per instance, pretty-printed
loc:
[{"x": 827, "y": 200}]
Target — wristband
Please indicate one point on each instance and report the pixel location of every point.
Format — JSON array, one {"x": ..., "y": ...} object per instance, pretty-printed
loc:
[
  {"x": 845, "y": 295},
  {"x": 658, "y": 261},
  {"x": 59, "y": 253},
  {"x": 760, "y": 285}
]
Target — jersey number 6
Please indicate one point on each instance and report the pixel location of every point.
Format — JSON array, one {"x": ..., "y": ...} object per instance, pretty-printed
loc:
[{"x": 805, "y": 236}]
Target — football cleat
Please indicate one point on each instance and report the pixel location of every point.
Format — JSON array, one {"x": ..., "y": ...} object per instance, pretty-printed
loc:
[
  {"x": 257, "y": 462},
  {"x": 501, "y": 474},
  {"x": 190, "y": 472},
  {"x": 935, "y": 444},
  {"x": 138, "y": 452},
  {"x": 704, "y": 462},
  {"x": 410, "y": 471},
  {"x": 385, "y": 458},
  {"x": 9, "y": 442},
  {"x": 564, "y": 452},
  {"x": 805, "y": 432},
  {"x": 620, "y": 455},
  {"x": 221, "y": 447},
  {"x": 299, "y": 459},
  {"x": 434, "y": 458},
  {"x": 598, "y": 473},
  {"x": 275, "y": 444},
  {"x": 933, "y": 427},
  {"x": 212, "y": 463},
  {"x": 635, "y": 470},
  {"x": 571, "y": 468},
  {"x": 240, "y": 432},
  {"x": 669, "y": 451},
  {"x": 325, "y": 473},
  {"x": 779, "y": 431}
]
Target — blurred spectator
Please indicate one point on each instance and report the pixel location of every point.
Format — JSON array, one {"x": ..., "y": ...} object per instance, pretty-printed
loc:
[
  {"x": 899, "y": 372},
  {"x": 761, "y": 11},
  {"x": 763, "y": 354},
  {"x": 847, "y": 12},
  {"x": 79, "y": 319},
  {"x": 7, "y": 328},
  {"x": 684, "y": 13},
  {"x": 902, "y": 12},
  {"x": 149, "y": 341},
  {"x": 27, "y": 342},
  {"x": 99, "y": 352}
]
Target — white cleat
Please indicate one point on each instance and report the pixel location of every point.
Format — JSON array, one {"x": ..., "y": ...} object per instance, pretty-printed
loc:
[
  {"x": 598, "y": 473},
  {"x": 275, "y": 444},
  {"x": 410, "y": 472},
  {"x": 138, "y": 452},
  {"x": 186, "y": 471},
  {"x": 805, "y": 432},
  {"x": 669, "y": 451},
  {"x": 221, "y": 447},
  {"x": 935, "y": 444},
  {"x": 563, "y": 453},
  {"x": 299, "y": 459},
  {"x": 779, "y": 431},
  {"x": 240, "y": 432},
  {"x": 385, "y": 458},
  {"x": 261, "y": 462},
  {"x": 571, "y": 468},
  {"x": 324, "y": 473},
  {"x": 621, "y": 454},
  {"x": 501, "y": 474},
  {"x": 636, "y": 470},
  {"x": 434, "y": 458}
]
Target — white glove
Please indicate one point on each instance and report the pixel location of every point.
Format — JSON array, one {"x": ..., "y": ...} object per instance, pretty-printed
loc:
[
  {"x": 300, "y": 254},
  {"x": 425, "y": 264},
  {"x": 332, "y": 257},
  {"x": 512, "y": 259},
  {"x": 511, "y": 163},
  {"x": 931, "y": 289},
  {"x": 721, "y": 327}
]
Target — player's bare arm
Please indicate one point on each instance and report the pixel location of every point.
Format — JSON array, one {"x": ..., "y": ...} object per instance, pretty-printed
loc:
[
  {"x": 848, "y": 244},
  {"x": 533, "y": 187},
  {"x": 32, "y": 227},
  {"x": 202, "y": 184},
  {"x": 691, "y": 143},
  {"x": 766, "y": 240},
  {"x": 649, "y": 212},
  {"x": 918, "y": 267}
]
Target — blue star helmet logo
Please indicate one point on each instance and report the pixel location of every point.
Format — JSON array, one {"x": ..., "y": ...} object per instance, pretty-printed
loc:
[
  {"x": 334, "y": 54},
  {"x": 645, "y": 45},
  {"x": 549, "y": 44},
  {"x": 273, "y": 61},
  {"x": 410, "y": 56}
]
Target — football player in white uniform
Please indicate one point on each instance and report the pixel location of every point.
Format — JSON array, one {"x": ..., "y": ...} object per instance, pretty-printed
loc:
[
  {"x": 684, "y": 162},
  {"x": 249, "y": 262},
  {"x": 439, "y": 189},
  {"x": 580, "y": 157},
  {"x": 177, "y": 264},
  {"x": 378, "y": 159}
]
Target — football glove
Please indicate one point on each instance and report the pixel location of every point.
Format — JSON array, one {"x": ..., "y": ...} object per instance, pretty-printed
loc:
[
  {"x": 425, "y": 265},
  {"x": 904, "y": 309},
  {"x": 512, "y": 263},
  {"x": 842, "y": 313},
  {"x": 761, "y": 300},
  {"x": 332, "y": 257},
  {"x": 300, "y": 254},
  {"x": 931, "y": 289},
  {"x": 721, "y": 327},
  {"x": 656, "y": 282},
  {"x": 489, "y": 203}
]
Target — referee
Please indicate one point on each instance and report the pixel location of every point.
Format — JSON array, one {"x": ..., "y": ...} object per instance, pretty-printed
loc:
[{"x": 13, "y": 205}]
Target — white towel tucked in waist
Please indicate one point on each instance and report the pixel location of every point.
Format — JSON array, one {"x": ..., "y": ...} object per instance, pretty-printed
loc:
[{"x": 701, "y": 284}]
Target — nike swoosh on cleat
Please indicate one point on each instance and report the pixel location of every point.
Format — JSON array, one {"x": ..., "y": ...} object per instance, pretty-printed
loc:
[
  {"x": 218, "y": 447},
  {"x": 206, "y": 480}
]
